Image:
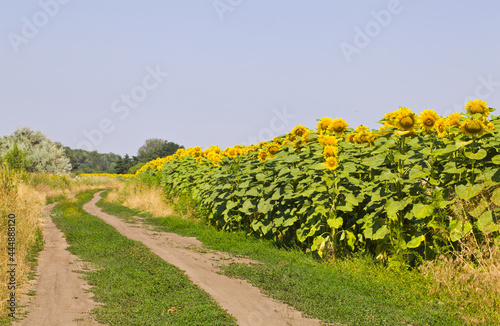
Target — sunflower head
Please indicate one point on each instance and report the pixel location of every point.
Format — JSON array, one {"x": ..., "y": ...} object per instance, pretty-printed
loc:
[
  {"x": 453, "y": 120},
  {"x": 262, "y": 156},
  {"x": 324, "y": 124},
  {"x": 477, "y": 106},
  {"x": 406, "y": 120},
  {"x": 338, "y": 126},
  {"x": 330, "y": 151},
  {"x": 272, "y": 149},
  {"x": 231, "y": 152},
  {"x": 327, "y": 140},
  {"x": 473, "y": 127},
  {"x": 350, "y": 138},
  {"x": 441, "y": 127},
  {"x": 428, "y": 119},
  {"x": 331, "y": 163},
  {"x": 300, "y": 131}
]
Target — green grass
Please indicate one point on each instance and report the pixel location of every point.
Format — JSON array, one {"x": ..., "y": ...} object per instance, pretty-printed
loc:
[
  {"x": 351, "y": 292},
  {"x": 136, "y": 286}
]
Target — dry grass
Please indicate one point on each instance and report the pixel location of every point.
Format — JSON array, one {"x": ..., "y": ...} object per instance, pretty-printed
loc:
[
  {"x": 470, "y": 276},
  {"x": 26, "y": 204},
  {"x": 142, "y": 197}
]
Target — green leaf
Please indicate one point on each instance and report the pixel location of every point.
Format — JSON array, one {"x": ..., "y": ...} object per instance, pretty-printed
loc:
[
  {"x": 418, "y": 173},
  {"x": 260, "y": 177},
  {"x": 496, "y": 159},
  {"x": 381, "y": 233},
  {"x": 486, "y": 224},
  {"x": 467, "y": 192},
  {"x": 333, "y": 221},
  {"x": 247, "y": 207},
  {"x": 415, "y": 241},
  {"x": 481, "y": 153},
  {"x": 495, "y": 197},
  {"x": 264, "y": 206},
  {"x": 458, "y": 229},
  {"x": 421, "y": 211},
  {"x": 375, "y": 161}
]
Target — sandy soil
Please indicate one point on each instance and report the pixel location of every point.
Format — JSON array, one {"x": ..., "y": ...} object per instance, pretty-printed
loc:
[
  {"x": 61, "y": 298},
  {"x": 238, "y": 297}
]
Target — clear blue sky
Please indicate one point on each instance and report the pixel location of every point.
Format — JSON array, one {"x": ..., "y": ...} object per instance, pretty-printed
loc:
[{"x": 107, "y": 75}]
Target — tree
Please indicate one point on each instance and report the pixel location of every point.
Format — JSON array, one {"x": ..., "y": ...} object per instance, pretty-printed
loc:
[
  {"x": 155, "y": 148},
  {"x": 16, "y": 158},
  {"x": 42, "y": 155},
  {"x": 124, "y": 164}
]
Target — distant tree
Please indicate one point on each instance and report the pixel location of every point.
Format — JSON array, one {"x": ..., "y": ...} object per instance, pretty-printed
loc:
[
  {"x": 155, "y": 148},
  {"x": 124, "y": 164},
  {"x": 42, "y": 155},
  {"x": 91, "y": 162}
]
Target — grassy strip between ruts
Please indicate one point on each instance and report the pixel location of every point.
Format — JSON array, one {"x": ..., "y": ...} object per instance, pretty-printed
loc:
[
  {"x": 136, "y": 286},
  {"x": 352, "y": 292}
]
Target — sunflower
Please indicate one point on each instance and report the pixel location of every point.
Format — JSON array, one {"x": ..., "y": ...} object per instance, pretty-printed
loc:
[
  {"x": 331, "y": 163},
  {"x": 453, "y": 119},
  {"x": 371, "y": 138},
  {"x": 339, "y": 126},
  {"x": 406, "y": 120},
  {"x": 273, "y": 149},
  {"x": 440, "y": 126},
  {"x": 477, "y": 106},
  {"x": 490, "y": 126},
  {"x": 428, "y": 119},
  {"x": 330, "y": 151},
  {"x": 350, "y": 138},
  {"x": 390, "y": 119},
  {"x": 324, "y": 124},
  {"x": 326, "y": 140},
  {"x": 262, "y": 156},
  {"x": 473, "y": 127},
  {"x": 300, "y": 131},
  {"x": 231, "y": 152}
]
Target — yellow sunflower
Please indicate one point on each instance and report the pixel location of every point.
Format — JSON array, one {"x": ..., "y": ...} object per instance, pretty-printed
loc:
[
  {"x": 473, "y": 127},
  {"x": 326, "y": 140},
  {"x": 490, "y": 126},
  {"x": 453, "y": 120},
  {"x": 272, "y": 149},
  {"x": 339, "y": 126},
  {"x": 428, "y": 119},
  {"x": 262, "y": 156},
  {"x": 324, "y": 124},
  {"x": 231, "y": 152},
  {"x": 330, "y": 151},
  {"x": 331, "y": 163},
  {"x": 440, "y": 127},
  {"x": 477, "y": 106},
  {"x": 406, "y": 120},
  {"x": 350, "y": 138},
  {"x": 300, "y": 131}
]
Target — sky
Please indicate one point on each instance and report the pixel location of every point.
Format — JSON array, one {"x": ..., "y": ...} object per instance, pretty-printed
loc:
[{"x": 107, "y": 75}]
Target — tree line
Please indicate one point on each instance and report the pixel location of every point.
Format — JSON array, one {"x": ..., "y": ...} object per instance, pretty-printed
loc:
[{"x": 32, "y": 151}]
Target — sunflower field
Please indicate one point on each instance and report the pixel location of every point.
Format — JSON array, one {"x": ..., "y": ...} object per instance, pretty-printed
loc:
[{"x": 392, "y": 192}]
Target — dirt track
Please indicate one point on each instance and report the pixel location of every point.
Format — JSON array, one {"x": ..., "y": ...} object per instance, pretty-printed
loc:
[
  {"x": 238, "y": 297},
  {"x": 61, "y": 299}
]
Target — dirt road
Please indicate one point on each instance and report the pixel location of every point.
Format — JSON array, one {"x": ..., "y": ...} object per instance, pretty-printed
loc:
[
  {"x": 238, "y": 297},
  {"x": 61, "y": 299}
]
